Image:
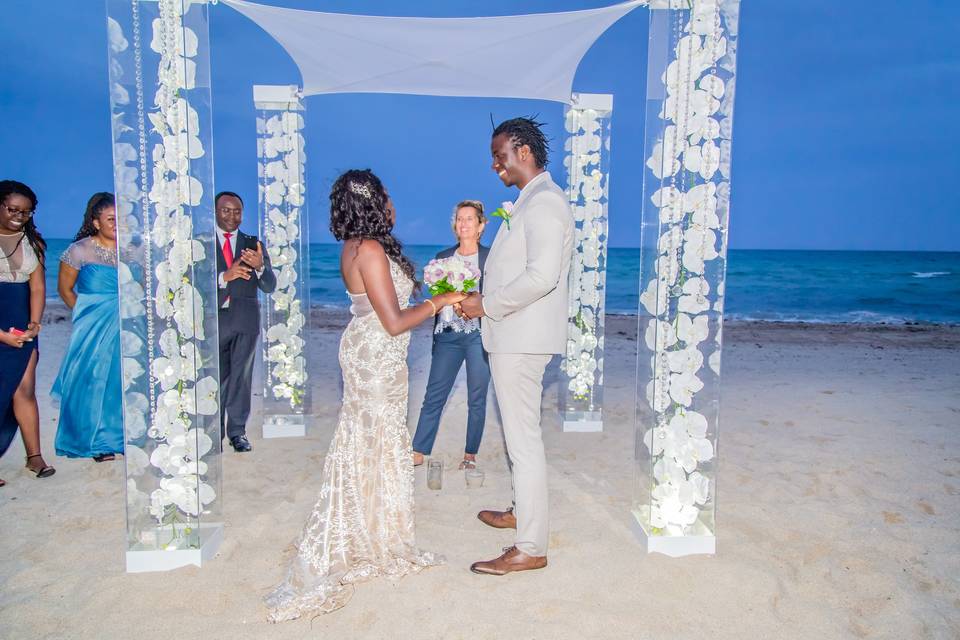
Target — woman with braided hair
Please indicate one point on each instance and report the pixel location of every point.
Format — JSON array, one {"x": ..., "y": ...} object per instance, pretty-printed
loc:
[
  {"x": 22, "y": 293},
  {"x": 89, "y": 383},
  {"x": 363, "y": 524}
]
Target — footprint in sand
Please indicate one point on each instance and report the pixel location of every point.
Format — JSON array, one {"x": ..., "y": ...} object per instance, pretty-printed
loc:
[
  {"x": 926, "y": 508},
  {"x": 892, "y": 517}
]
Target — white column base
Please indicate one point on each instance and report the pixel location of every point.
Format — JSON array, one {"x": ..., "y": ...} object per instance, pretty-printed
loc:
[
  {"x": 292, "y": 426},
  {"x": 582, "y": 421},
  {"x": 700, "y": 542},
  {"x": 151, "y": 555}
]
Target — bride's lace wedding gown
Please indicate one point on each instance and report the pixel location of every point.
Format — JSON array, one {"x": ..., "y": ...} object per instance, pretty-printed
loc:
[{"x": 363, "y": 523}]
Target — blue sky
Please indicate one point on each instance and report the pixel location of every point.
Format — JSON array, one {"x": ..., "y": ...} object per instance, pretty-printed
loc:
[{"x": 846, "y": 134}]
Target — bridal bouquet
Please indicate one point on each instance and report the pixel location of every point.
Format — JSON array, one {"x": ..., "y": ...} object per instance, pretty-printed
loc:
[{"x": 444, "y": 275}]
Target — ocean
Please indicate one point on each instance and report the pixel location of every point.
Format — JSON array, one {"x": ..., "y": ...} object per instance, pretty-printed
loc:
[{"x": 889, "y": 287}]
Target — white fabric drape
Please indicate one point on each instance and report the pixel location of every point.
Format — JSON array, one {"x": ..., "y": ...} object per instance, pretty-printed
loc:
[{"x": 525, "y": 56}]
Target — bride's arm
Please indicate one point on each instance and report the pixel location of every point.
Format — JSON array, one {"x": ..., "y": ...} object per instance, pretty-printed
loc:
[{"x": 375, "y": 272}]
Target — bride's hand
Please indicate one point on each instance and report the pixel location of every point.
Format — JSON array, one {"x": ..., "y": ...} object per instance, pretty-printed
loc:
[{"x": 445, "y": 299}]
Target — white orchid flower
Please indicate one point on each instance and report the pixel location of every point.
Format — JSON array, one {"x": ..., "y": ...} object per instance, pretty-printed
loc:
[
  {"x": 668, "y": 268},
  {"x": 135, "y": 408},
  {"x": 688, "y": 360},
  {"x": 694, "y": 451},
  {"x": 699, "y": 246},
  {"x": 130, "y": 343},
  {"x": 670, "y": 240},
  {"x": 188, "y": 312},
  {"x": 286, "y": 277},
  {"x": 131, "y": 371},
  {"x": 674, "y": 515},
  {"x": 692, "y": 423},
  {"x": 692, "y": 330},
  {"x": 279, "y": 333},
  {"x": 660, "y": 335},
  {"x": 654, "y": 298},
  {"x": 118, "y": 43},
  {"x": 694, "y": 298},
  {"x": 207, "y": 391},
  {"x": 683, "y": 386}
]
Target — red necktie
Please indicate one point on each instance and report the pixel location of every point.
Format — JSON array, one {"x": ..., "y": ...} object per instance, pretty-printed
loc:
[{"x": 227, "y": 250}]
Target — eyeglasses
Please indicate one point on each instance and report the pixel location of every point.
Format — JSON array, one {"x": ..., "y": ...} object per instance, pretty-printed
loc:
[
  {"x": 22, "y": 213},
  {"x": 229, "y": 211}
]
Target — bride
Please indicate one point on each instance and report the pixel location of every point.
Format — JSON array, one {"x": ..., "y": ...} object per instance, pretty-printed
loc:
[{"x": 363, "y": 523}]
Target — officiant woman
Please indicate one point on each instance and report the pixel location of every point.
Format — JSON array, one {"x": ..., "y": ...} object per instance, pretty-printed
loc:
[{"x": 455, "y": 342}]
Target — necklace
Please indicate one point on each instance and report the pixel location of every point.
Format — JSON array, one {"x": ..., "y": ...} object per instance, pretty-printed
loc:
[
  {"x": 105, "y": 253},
  {"x": 7, "y": 256}
]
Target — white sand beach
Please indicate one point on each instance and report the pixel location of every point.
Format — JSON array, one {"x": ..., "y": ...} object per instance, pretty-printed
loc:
[{"x": 838, "y": 512}]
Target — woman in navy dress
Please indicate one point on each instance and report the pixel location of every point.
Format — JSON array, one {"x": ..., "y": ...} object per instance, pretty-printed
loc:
[
  {"x": 89, "y": 384},
  {"x": 22, "y": 294}
]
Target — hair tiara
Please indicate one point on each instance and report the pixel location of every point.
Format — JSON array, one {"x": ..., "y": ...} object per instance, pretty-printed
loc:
[{"x": 360, "y": 189}]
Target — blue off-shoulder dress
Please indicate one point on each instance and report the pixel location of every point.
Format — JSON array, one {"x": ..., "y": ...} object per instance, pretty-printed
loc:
[{"x": 89, "y": 385}]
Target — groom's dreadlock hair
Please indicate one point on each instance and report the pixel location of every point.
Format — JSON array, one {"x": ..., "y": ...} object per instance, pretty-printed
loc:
[{"x": 526, "y": 131}]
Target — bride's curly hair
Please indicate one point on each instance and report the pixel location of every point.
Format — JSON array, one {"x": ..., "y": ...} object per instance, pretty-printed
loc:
[{"x": 358, "y": 209}]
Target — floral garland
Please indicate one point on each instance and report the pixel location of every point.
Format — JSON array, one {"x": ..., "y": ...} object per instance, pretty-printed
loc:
[
  {"x": 692, "y": 206},
  {"x": 282, "y": 196},
  {"x": 176, "y": 443},
  {"x": 589, "y": 139}
]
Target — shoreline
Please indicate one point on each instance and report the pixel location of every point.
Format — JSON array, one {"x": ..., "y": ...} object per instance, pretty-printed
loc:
[{"x": 326, "y": 317}]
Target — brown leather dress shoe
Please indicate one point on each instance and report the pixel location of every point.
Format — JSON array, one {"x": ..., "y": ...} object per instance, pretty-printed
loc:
[
  {"x": 512, "y": 560},
  {"x": 498, "y": 519}
]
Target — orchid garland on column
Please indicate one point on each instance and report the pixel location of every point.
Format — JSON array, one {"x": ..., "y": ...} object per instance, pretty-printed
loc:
[
  {"x": 682, "y": 291},
  {"x": 588, "y": 148},
  {"x": 170, "y": 396},
  {"x": 282, "y": 203}
]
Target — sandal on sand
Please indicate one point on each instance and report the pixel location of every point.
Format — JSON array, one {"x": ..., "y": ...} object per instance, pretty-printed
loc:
[
  {"x": 45, "y": 472},
  {"x": 104, "y": 457},
  {"x": 417, "y": 458},
  {"x": 467, "y": 464}
]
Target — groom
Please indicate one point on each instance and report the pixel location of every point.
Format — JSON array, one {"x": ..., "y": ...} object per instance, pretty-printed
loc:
[{"x": 524, "y": 310}]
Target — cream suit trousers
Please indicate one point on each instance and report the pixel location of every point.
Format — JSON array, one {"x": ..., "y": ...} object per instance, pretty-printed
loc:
[{"x": 518, "y": 382}]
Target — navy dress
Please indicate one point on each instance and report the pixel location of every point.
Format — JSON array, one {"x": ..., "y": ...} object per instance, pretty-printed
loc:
[{"x": 14, "y": 312}]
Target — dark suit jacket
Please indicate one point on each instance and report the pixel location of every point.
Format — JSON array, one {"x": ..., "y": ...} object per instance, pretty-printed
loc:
[
  {"x": 243, "y": 314},
  {"x": 449, "y": 251}
]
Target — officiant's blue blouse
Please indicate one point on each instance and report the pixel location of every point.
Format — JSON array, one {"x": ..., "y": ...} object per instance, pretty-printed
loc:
[{"x": 89, "y": 385}]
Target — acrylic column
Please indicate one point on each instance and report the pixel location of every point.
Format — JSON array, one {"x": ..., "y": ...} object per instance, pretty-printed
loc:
[
  {"x": 163, "y": 173},
  {"x": 686, "y": 196},
  {"x": 283, "y": 228},
  {"x": 587, "y": 121}
]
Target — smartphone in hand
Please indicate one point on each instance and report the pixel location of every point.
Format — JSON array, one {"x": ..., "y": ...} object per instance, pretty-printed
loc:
[{"x": 19, "y": 332}]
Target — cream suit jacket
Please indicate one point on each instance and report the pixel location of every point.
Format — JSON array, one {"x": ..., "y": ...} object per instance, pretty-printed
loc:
[{"x": 525, "y": 277}]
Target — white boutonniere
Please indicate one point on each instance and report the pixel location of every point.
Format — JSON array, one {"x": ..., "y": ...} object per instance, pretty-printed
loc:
[{"x": 506, "y": 212}]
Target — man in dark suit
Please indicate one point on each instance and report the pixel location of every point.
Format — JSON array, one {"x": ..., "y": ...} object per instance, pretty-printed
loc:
[
  {"x": 454, "y": 343},
  {"x": 243, "y": 268}
]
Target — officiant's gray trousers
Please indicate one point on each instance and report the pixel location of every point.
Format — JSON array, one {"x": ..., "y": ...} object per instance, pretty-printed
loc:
[{"x": 518, "y": 382}]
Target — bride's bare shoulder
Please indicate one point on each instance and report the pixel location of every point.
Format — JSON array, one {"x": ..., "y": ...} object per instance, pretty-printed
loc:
[{"x": 363, "y": 250}]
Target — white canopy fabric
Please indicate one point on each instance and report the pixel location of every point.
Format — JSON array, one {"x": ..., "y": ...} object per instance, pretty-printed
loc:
[{"x": 526, "y": 56}]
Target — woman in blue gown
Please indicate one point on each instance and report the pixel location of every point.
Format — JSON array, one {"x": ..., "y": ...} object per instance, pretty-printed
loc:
[
  {"x": 89, "y": 384},
  {"x": 22, "y": 295}
]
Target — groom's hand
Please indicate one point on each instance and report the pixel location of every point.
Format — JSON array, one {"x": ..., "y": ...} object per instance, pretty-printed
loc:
[{"x": 472, "y": 306}]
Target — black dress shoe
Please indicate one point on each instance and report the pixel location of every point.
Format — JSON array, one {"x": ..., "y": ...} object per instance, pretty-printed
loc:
[{"x": 240, "y": 444}]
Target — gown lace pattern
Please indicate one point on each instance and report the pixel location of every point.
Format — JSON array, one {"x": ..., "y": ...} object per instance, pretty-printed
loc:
[{"x": 363, "y": 523}]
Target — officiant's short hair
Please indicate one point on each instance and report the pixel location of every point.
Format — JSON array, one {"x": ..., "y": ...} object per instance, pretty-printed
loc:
[{"x": 476, "y": 205}]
